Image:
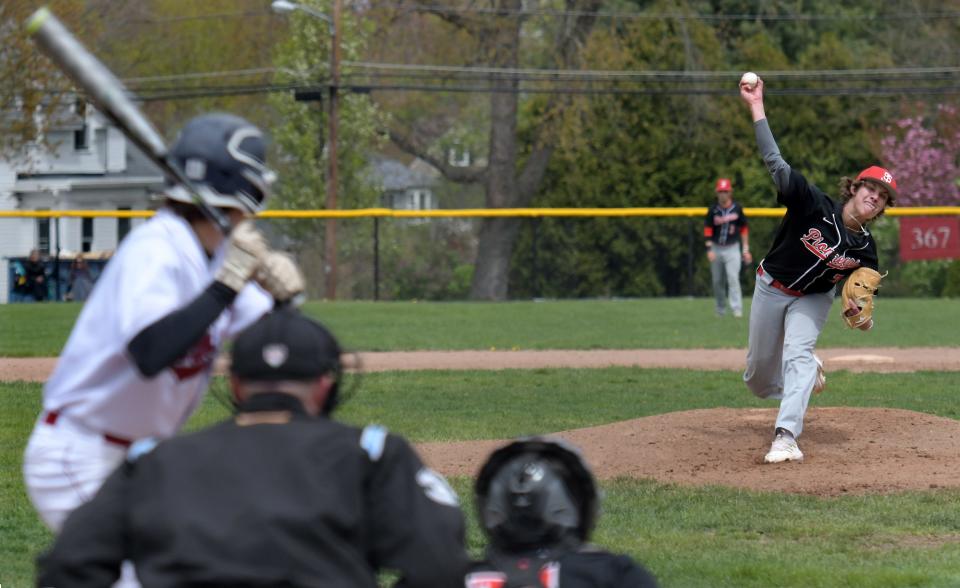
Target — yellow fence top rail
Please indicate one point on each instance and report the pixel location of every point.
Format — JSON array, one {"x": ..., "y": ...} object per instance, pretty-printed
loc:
[{"x": 697, "y": 211}]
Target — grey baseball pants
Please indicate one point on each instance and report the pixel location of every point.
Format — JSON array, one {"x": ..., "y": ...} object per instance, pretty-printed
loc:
[
  {"x": 783, "y": 333},
  {"x": 725, "y": 271}
]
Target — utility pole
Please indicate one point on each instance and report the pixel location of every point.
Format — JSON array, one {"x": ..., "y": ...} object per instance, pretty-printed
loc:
[{"x": 330, "y": 235}]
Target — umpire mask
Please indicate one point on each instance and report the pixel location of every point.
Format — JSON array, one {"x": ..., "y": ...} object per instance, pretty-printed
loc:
[{"x": 536, "y": 493}]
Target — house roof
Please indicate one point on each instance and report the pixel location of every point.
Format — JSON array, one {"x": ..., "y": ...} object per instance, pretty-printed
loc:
[
  {"x": 140, "y": 172},
  {"x": 394, "y": 175}
]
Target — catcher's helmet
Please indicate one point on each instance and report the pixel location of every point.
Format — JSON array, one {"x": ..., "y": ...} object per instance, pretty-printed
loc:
[
  {"x": 224, "y": 155},
  {"x": 536, "y": 492}
]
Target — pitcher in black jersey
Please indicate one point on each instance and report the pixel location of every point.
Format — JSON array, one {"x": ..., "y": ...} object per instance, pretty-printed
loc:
[{"x": 818, "y": 244}]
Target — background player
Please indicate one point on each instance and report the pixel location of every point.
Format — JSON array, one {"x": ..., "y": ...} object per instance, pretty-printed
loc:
[
  {"x": 819, "y": 242},
  {"x": 140, "y": 354},
  {"x": 724, "y": 230},
  {"x": 302, "y": 501}
]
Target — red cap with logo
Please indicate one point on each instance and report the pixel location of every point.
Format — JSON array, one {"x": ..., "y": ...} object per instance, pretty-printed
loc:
[
  {"x": 881, "y": 176},
  {"x": 723, "y": 185}
]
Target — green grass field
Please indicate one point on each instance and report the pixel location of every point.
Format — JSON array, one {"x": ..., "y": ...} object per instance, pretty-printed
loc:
[
  {"x": 41, "y": 330},
  {"x": 689, "y": 537}
]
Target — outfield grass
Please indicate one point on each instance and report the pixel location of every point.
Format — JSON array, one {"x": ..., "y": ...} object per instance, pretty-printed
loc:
[
  {"x": 42, "y": 329},
  {"x": 690, "y": 537}
]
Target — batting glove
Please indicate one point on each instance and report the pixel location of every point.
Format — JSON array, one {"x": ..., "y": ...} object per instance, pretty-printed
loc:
[
  {"x": 247, "y": 245},
  {"x": 279, "y": 275}
]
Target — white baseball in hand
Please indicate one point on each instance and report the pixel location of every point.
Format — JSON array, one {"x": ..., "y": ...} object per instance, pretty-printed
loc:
[{"x": 750, "y": 79}]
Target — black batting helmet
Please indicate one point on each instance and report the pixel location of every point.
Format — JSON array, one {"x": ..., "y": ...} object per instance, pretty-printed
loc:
[
  {"x": 225, "y": 157},
  {"x": 536, "y": 492}
]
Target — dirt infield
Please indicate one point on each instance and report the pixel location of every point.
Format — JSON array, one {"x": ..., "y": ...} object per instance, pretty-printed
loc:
[{"x": 848, "y": 450}]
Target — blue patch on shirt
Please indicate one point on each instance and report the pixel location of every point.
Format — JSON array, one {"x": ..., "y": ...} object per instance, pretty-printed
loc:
[
  {"x": 372, "y": 440},
  {"x": 140, "y": 448}
]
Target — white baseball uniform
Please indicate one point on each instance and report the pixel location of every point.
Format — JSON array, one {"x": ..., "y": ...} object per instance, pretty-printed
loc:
[{"x": 97, "y": 402}]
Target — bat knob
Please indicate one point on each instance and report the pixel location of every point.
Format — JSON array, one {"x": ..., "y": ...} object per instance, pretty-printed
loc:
[{"x": 37, "y": 19}]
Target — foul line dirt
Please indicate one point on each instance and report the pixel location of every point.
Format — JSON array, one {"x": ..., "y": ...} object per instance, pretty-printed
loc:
[{"x": 860, "y": 359}]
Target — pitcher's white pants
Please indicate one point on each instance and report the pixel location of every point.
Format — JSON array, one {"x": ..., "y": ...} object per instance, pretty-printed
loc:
[{"x": 783, "y": 333}]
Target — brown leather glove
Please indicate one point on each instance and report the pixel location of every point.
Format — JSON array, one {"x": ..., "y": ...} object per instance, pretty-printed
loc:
[{"x": 861, "y": 286}]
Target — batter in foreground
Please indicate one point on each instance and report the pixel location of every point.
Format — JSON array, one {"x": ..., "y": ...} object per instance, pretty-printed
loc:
[{"x": 141, "y": 353}]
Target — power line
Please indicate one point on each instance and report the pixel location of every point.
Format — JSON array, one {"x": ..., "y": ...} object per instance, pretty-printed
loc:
[
  {"x": 183, "y": 94},
  {"x": 211, "y": 16},
  {"x": 617, "y": 15},
  {"x": 414, "y": 71},
  {"x": 606, "y": 14}
]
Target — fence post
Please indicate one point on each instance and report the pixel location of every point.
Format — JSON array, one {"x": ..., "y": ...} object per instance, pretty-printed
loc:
[
  {"x": 376, "y": 258},
  {"x": 690, "y": 240},
  {"x": 56, "y": 260},
  {"x": 534, "y": 269}
]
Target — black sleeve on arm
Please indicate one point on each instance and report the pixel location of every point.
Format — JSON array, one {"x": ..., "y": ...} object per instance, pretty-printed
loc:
[
  {"x": 414, "y": 520},
  {"x": 90, "y": 548},
  {"x": 156, "y": 347}
]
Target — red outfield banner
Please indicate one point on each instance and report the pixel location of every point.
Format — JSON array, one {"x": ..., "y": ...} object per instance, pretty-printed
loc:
[{"x": 929, "y": 237}]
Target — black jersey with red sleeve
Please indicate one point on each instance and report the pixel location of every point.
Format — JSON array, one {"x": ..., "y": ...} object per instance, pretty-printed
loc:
[
  {"x": 725, "y": 224},
  {"x": 813, "y": 250}
]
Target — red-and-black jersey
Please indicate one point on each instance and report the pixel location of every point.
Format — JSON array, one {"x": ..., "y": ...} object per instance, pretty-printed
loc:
[
  {"x": 813, "y": 250},
  {"x": 724, "y": 224}
]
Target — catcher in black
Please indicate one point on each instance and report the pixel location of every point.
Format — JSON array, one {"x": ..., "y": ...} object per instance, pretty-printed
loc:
[
  {"x": 537, "y": 503},
  {"x": 280, "y": 495},
  {"x": 819, "y": 243}
]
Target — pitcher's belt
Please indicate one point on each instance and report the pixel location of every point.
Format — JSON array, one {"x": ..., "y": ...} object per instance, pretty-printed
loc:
[{"x": 776, "y": 283}]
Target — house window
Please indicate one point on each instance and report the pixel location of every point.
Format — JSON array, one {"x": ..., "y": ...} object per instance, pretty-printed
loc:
[
  {"x": 458, "y": 157},
  {"x": 421, "y": 200},
  {"x": 80, "y": 139},
  {"x": 81, "y": 136},
  {"x": 86, "y": 234},
  {"x": 123, "y": 225},
  {"x": 43, "y": 235}
]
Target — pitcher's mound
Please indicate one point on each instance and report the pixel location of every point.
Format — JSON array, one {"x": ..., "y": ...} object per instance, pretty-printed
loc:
[{"x": 846, "y": 450}]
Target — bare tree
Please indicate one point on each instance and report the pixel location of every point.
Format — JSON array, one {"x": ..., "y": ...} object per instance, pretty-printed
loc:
[
  {"x": 508, "y": 182},
  {"x": 28, "y": 103}
]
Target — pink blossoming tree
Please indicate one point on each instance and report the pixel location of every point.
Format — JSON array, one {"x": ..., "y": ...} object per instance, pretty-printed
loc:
[{"x": 923, "y": 152}]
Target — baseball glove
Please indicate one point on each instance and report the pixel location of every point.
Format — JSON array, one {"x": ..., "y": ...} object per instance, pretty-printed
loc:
[{"x": 861, "y": 286}]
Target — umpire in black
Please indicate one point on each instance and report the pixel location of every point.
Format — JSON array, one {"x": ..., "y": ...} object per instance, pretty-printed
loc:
[{"x": 280, "y": 495}]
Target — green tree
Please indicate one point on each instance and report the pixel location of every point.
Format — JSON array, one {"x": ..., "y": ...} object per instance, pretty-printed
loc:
[
  {"x": 666, "y": 147},
  {"x": 184, "y": 58},
  {"x": 303, "y": 58}
]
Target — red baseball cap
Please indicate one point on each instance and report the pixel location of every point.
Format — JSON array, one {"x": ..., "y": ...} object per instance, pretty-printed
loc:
[
  {"x": 882, "y": 176},
  {"x": 723, "y": 185}
]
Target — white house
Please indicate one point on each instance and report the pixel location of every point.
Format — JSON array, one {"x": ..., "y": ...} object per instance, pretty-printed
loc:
[
  {"x": 92, "y": 166},
  {"x": 404, "y": 187}
]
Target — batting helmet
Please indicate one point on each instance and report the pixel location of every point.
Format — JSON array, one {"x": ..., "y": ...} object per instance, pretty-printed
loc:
[
  {"x": 536, "y": 492},
  {"x": 225, "y": 157}
]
